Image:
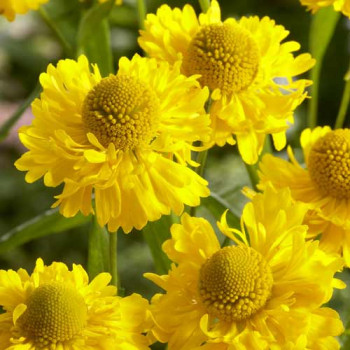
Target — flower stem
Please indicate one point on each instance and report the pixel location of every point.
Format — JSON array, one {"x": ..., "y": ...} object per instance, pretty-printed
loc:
[
  {"x": 344, "y": 102},
  {"x": 8, "y": 125},
  {"x": 204, "y": 4},
  {"x": 201, "y": 159},
  {"x": 142, "y": 10},
  {"x": 253, "y": 174},
  {"x": 113, "y": 266},
  {"x": 51, "y": 24}
]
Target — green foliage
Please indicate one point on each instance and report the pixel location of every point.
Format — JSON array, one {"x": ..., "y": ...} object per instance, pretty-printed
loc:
[{"x": 44, "y": 224}]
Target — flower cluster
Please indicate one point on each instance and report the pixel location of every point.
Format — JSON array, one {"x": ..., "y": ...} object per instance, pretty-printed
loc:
[{"x": 128, "y": 148}]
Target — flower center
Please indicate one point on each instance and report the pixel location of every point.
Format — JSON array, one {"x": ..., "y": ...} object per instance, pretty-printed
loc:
[
  {"x": 235, "y": 283},
  {"x": 122, "y": 110},
  {"x": 225, "y": 55},
  {"x": 55, "y": 313},
  {"x": 329, "y": 163}
]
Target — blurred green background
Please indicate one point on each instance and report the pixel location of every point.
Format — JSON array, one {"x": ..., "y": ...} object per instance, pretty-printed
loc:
[{"x": 27, "y": 46}]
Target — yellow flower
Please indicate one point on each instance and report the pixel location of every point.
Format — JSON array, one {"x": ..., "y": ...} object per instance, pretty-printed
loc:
[
  {"x": 9, "y": 8},
  {"x": 338, "y": 5},
  {"x": 127, "y": 138},
  {"x": 117, "y": 2},
  {"x": 265, "y": 292},
  {"x": 324, "y": 185},
  {"x": 54, "y": 308},
  {"x": 245, "y": 65}
]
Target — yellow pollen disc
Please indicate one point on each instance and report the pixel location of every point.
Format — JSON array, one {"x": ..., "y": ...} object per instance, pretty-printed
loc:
[
  {"x": 225, "y": 55},
  {"x": 122, "y": 110},
  {"x": 55, "y": 313},
  {"x": 235, "y": 283},
  {"x": 329, "y": 163}
]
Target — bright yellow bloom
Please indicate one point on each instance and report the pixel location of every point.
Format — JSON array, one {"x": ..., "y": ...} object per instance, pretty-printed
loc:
[
  {"x": 54, "y": 308},
  {"x": 117, "y": 2},
  {"x": 9, "y": 8},
  {"x": 245, "y": 65},
  {"x": 324, "y": 185},
  {"x": 127, "y": 138},
  {"x": 264, "y": 293},
  {"x": 338, "y": 5}
]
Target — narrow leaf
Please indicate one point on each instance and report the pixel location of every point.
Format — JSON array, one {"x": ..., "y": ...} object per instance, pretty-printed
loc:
[
  {"x": 155, "y": 233},
  {"x": 217, "y": 205},
  {"x": 98, "y": 48},
  {"x": 48, "y": 223},
  {"x": 94, "y": 37},
  {"x": 7, "y": 126},
  {"x": 91, "y": 20},
  {"x": 322, "y": 29}
]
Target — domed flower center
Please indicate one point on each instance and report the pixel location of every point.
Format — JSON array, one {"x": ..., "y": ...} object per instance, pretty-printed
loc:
[
  {"x": 329, "y": 163},
  {"x": 225, "y": 55},
  {"x": 55, "y": 313},
  {"x": 122, "y": 110},
  {"x": 235, "y": 283}
]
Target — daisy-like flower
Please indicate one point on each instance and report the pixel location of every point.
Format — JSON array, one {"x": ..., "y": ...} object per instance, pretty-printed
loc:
[
  {"x": 9, "y": 8},
  {"x": 324, "y": 185},
  {"x": 54, "y": 308},
  {"x": 338, "y": 5},
  {"x": 245, "y": 65},
  {"x": 266, "y": 292},
  {"x": 127, "y": 138}
]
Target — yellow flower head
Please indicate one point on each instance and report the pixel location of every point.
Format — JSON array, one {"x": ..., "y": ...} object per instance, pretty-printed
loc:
[
  {"x": 265, "y": 292},
  {"x": 127, "y": 138},
  {"x": 245, "y": 65},
  {"x": 338, "y": 5},
  {"x": 54, "y": 308},
  {"x": 9, "y": 8},
  {"x": 324, "y": 185}
]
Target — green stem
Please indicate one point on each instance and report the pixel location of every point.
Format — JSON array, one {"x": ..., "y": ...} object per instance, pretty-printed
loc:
[
  {"x": 7, "y": 126},
  {"x": 253, "y": 174},
  {"x": 113, "y": 264},
  {"x": 201, "y": 159},
  {"x": 204, "y": 4},
  {"x": 98, "y": 245},
  {"x": 142, "y": 10},
  {"x": 344, "y": 102},
  {"x": 66, "y": 46},
  {"x": 313, "y": 104}
]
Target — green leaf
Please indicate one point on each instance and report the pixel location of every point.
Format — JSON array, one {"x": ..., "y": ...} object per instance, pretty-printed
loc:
[
  {"x": 217, "y": 206},
  {"x": 155, "y": 233},
  {"x": 92, "y": 20},
  {"x": 7, "y": 126},
  {"x": 98, "y": 49},
  {"x": 63, "y": 16},
  {"x": 98, "y": 252},
  {"x": 45, "y": 224},
  {"x": 94, "y": 37},
  {"x": 322, "y": 29}
]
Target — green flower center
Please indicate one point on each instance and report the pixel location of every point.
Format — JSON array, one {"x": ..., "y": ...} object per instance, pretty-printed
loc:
[
  {"x": 55, "y": 313},
  {"x": 225, "y": 55},
  {"x": 329, "y": 163},
  {"x": 122, "y": 110},
  {"x": 235, "y": 283}
]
